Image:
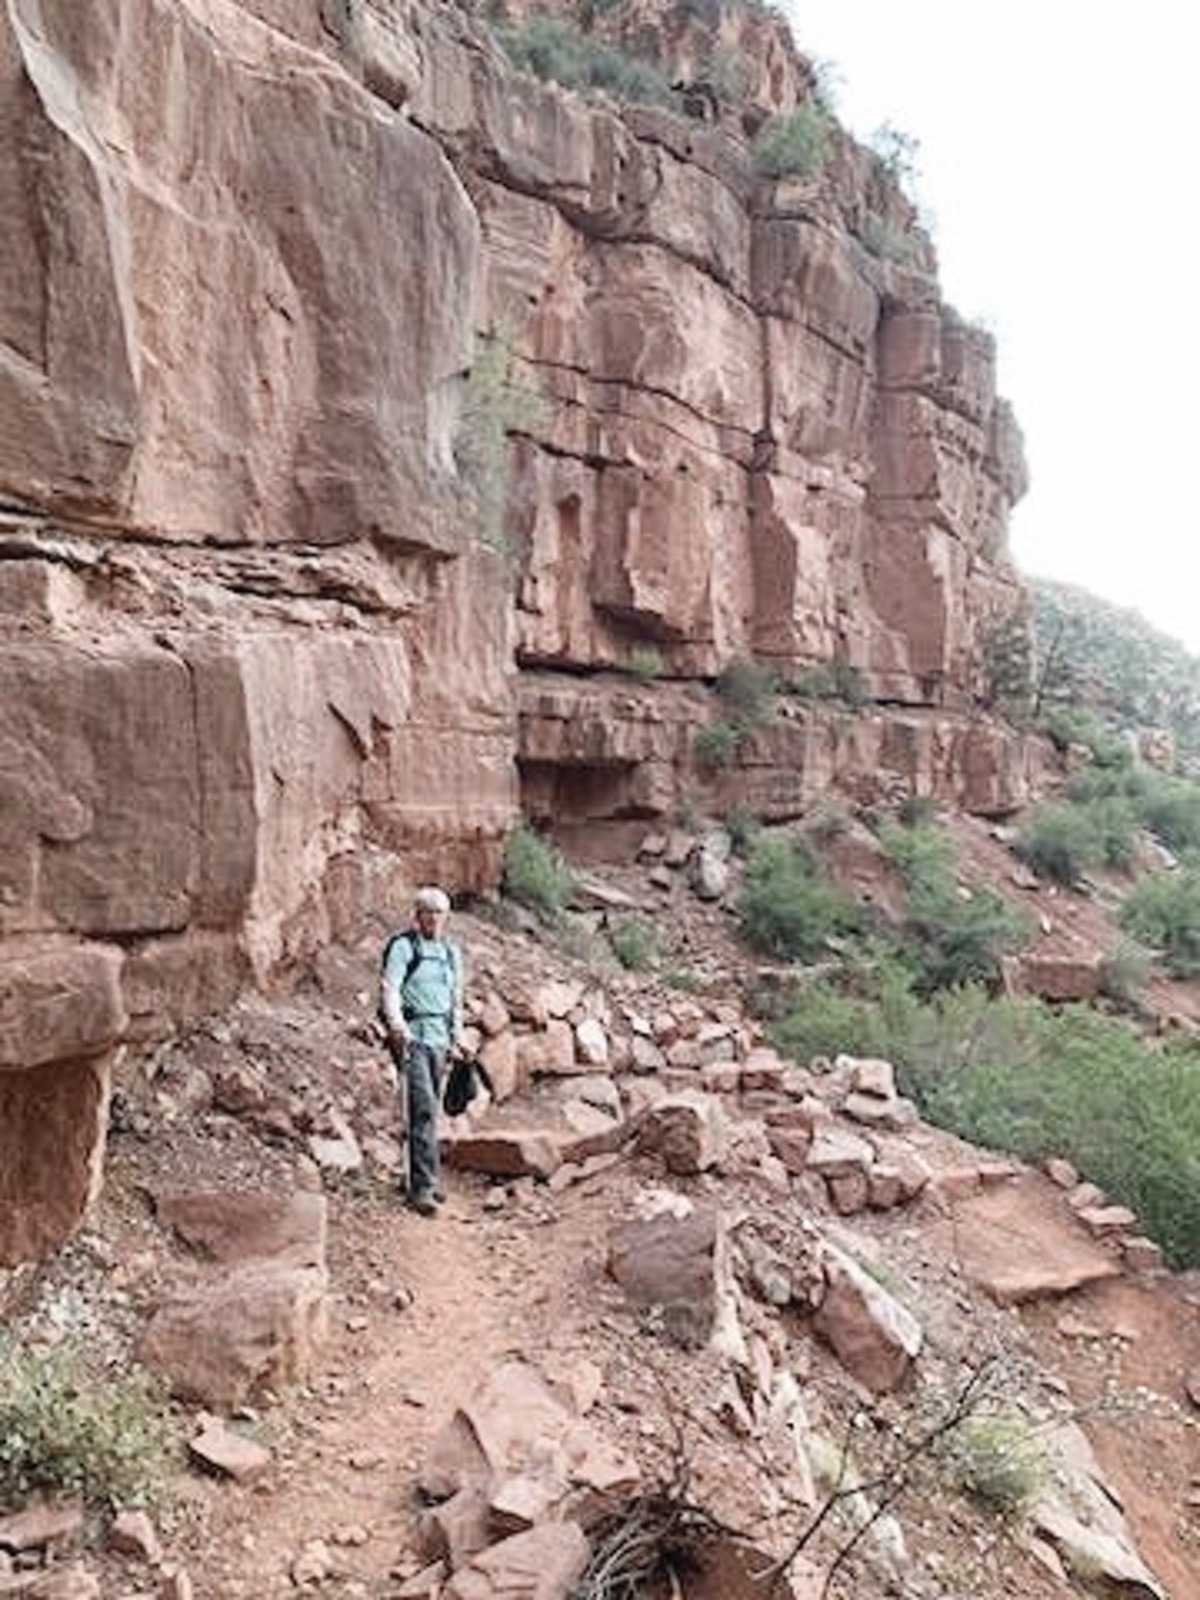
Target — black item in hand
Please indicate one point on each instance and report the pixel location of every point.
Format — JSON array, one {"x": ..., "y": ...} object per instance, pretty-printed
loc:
[{"x": 466, "y": 1078}]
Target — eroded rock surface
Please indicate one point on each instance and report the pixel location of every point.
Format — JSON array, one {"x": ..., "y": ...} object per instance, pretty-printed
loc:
[{"x": 264, "y": 665}]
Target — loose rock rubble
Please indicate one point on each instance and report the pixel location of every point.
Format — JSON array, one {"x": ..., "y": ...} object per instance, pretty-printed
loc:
[{"x": 663, "y": 1242}]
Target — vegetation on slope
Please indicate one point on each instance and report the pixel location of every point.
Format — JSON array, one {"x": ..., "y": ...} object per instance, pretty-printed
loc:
[
  {"x": 1024, "y": 1076},
  {"x": 1092, "y": 654}
]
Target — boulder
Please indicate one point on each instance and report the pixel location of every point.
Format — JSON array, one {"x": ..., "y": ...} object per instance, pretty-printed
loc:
[
  {"x": 543, "y": 1563},
  {"x": 60, "y": 1013},
  {"x": 229, "y": 1225},
  {"x": 515, "y": 1426},
  {"x": 227, "y": 1452},
  {"x": 672, "y": 1261},
  {"x": 686, "y": 1130},
  {"x": 256, "y": 1325},
  {"x": 1029, "y": 1252},
  {"x": 869, "y": 1331},
  {"x": 506, "y": 1152}
]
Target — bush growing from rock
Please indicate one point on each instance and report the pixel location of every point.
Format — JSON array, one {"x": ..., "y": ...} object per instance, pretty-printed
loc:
[
  {"x": 555, "y": 49},
  {"x": 746, "y": 687},
  {"x": 497, "y": 404},
  {"x": 535, "y": 874},
  {"x": 714, "y": 746},
  {"x": 832, "y": 680},
  {"x": 633, "y": 944},
  {"x": 645, "y": 664},
  {"x": 997, "y": 1461},
  {"x": 797, "y": 145}
]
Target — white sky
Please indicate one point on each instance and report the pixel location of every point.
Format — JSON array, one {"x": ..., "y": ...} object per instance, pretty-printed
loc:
[{"x": 1060, "y": 161}]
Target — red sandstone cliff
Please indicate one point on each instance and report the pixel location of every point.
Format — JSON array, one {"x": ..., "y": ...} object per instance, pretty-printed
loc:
[{"x": 259, "y": 667}]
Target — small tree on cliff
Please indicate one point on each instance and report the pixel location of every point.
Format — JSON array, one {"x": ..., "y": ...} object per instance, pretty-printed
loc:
[
  {"x": 496, "y": 406},
  {"x": 1006, "y": 665}
]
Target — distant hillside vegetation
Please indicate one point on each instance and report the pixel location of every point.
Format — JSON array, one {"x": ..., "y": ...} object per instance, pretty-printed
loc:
[{"x": 1092, "y": 656}]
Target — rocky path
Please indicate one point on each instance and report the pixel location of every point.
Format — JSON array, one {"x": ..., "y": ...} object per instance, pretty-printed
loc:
[
  {"x": 421, "y": 1311},
  {"x": 421, "y": 1308}
]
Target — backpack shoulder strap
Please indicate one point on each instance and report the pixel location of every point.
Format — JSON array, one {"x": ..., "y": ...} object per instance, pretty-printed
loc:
[
  {"x": 416, "y": 953},
  {"x": 389, "y": 945}
]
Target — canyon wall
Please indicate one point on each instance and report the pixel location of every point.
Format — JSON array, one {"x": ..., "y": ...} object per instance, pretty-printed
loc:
[{"x": 297, "y": 609}]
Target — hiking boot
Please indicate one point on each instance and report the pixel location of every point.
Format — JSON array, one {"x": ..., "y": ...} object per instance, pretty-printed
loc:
[{"x": 424, "y": 1203}]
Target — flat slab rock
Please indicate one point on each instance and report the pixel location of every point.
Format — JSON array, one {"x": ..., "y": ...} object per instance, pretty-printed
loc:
[
  {"x": 40, "y": 1526},
  {"x": 1020, "y": 1242}
]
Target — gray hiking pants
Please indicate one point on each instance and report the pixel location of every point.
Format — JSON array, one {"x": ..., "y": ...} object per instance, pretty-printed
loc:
[{"x": 423, "y": 1067}]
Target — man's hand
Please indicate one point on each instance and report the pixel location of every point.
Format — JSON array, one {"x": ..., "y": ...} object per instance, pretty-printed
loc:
[{"x": 399, "y": 1038}]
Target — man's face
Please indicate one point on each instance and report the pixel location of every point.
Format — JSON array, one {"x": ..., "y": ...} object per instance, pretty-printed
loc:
[{"x": 430, "y": 923}]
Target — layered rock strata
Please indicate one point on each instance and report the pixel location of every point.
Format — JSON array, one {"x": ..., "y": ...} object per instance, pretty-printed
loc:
[{"x": 285, "y": 629}]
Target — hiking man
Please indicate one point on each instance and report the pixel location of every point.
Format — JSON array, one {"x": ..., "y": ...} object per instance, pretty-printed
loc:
[{"x": 421, "y": 999}]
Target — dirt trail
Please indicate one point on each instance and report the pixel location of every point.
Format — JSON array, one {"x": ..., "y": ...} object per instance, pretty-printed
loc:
[{"x": 420, "y": 1309}]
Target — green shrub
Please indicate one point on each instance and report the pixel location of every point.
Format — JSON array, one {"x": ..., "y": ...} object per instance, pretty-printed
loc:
[
  {"x": 833, "y": 680},
  {"x": 1039, "y": 1081},
  {"x": 817, "y": 683},
  {"x": 1163, "y": 911},
  {"x": 496, "y": 405},
  {"x": 1170, "y": 808},
  {"x": 106, "y": 1438},
  {"x": 743, "y": 828},
  {"x": 922, "y": 851},
  {"x": 1061, "y": 842},
  {"x": 1115, "y": 795},
  {"x": 1068, "y": 727},
  {"x": 746, "y": 687},
  {"x": 1123, "y": 974},
  {"x": 799, "y": 144},
  {"x": 1102, "y": 783},
  {"x": 535, "y": 874},
  {"x": 953, "y": 939},
  {"x": 828, "y": 820},
  {"x": 889, "y": 241},
  {"x": 633, "y": 944},
  {"x": 866, "y": 1013},
  {"x": 715, "y": 746},
  {"x": 950, "y": 936},
  {"x": 1114, "y": 822},
  {"x": 896, "y": 152},
  {"x": 554, "y": 49},
  {"x": 1030, "y": 1079},
  {"x": 645, "y": 664},
  {"x": 731, "y": 73},
  {"x": 787, "y": 909},
  {"x": 998, "y": 1462}
]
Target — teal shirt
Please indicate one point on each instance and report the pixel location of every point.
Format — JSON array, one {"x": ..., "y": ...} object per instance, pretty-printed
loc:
[{"x": 429, "y": 1001}]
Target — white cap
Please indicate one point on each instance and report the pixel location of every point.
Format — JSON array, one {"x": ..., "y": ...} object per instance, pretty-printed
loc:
[{"x": 431, "y": 898}]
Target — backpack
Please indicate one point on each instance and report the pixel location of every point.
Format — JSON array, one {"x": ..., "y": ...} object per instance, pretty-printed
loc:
[
  {"x": 415, "y": 958},
  {"x": 416, "y": 955}
]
